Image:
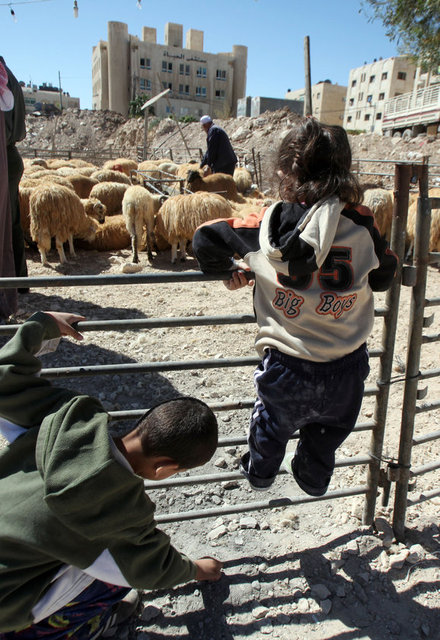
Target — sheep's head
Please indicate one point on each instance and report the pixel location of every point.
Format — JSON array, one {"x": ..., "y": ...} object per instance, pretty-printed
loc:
[
  {"x": 99, "y": 211},
  {"x": 192, "y": 176}
]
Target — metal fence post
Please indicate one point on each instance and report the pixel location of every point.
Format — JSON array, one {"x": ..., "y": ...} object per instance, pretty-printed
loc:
[
  {"x": 421, "y": 249},
  {"x": 402, "y": 177}
]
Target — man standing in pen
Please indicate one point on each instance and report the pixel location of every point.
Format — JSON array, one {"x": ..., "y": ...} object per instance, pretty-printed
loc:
[{"x": 219, "y": 156}]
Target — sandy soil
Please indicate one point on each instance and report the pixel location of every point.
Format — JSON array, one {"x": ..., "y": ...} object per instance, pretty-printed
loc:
[{"x": 306, "y": 571}]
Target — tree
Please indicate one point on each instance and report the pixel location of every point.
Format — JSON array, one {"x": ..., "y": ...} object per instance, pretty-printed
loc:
[
  {"x": 135, "y": 111},
  {"x": 415, "y": 24}
]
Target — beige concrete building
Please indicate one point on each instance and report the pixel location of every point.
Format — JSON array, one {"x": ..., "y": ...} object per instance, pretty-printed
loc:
[
  {"x": 370, "y": 86},
  {"x": 200, "y": 82},
  {"x": 328, "y": 101},
  {"x": 45, "y": 94}
]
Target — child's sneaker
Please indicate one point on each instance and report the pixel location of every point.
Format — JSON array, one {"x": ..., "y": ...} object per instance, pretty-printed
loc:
[
  {"x": 122, "y": 611},
  {"x": 257, "y": 484},
  {"x": 287, "y": 462}
]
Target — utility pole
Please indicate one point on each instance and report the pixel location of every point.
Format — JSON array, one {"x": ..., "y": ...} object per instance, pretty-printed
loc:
[
  {"x": 308, "y": 86},
  {"x": 61, "y": 91}
]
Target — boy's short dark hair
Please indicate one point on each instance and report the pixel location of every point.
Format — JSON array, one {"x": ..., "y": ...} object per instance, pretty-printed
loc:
[
  {"x": 184, "y": 429},
  {"x": 315, "y": 163}
]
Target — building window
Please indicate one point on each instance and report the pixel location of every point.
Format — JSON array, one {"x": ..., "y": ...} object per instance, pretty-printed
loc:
[
  {"x": 184, "y": 69},
  {"x": 378, "y": 116},
  {"x": 372, "y": 78},
  {"x": 167, "y": 85},
  {"x": 201, "y": 92},
  {"x": 381, "y": 96},
  {"x": 358, "y": 115},
  {"x": 349, "y": 119},
  {"x": 353, "y": 83},
  {"x": 144, "y": 85},
  {"x": 167, "y": 66},
  {"x": 401, "y": 75},
  {"x": 384, "y": 75},
  {"x": 220, "y": 94},
  {"x": 367, "y": 116},
  {"x": 201, "y": 72},
  {"x": 360, "y": 96},
  {"x": 169, "y": 109},
  {"x": 184, "y": 89},
  {"x": 351, "y": 102},
  {"x": 363, "y": 76},
  {"x": 220, "y": 74},
  {"x": 145, "y": 63},
  {"x": 370, "y": 98}
]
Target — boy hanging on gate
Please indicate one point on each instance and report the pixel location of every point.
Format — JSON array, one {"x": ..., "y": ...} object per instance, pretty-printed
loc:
[
  {"x": 317, "y": 257},
  {"x": 77, "y": 531}
]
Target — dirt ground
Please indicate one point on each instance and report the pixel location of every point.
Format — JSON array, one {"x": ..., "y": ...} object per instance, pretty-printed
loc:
[{"x": 306, "y": 571}]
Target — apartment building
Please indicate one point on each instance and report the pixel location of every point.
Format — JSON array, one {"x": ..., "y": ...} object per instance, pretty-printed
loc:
[
  {"x": 328, "y": 101},
  {"x": 124, "y": 67},
  {"x": 370, "y": 86},
  {"x": 43, "y": 96}
]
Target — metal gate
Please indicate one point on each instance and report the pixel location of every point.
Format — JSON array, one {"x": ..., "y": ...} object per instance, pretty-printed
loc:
[{"x": 380, "y": 471}]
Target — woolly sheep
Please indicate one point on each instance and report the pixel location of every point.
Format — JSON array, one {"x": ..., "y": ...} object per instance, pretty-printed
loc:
[
  {"x": 180, "y": 216},
  {"x": 94, "y": 208},
  {"x": 220, "y": 183},
  {"x": 107, "y": 175},
  {"x": 112, "y": 235},
  {"x": 124, "y": 165},
  {"x": 110, "y": 194},
  {"x": 243, "y": 179},
  {"x": 139, "y": 207},
  {"x": 56, "y": 211},
  {"x": 381, "y": 203},
  {"x": 169, "y": 167},
  {"x": 82, "y": 185},
  {"x": 186, "y": 167},
  {"x": 434, "y": 236}
]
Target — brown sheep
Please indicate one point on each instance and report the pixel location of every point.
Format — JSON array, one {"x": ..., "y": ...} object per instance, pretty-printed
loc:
[
  {"x": 110, "y": 194},
  {"x": 82, "y": 185},
  {"x": 56, "y": 211},
  {"x": 112, "y": 235},
  {"x": 220, "y": 183},
  {"x": 180, "y": 216}
]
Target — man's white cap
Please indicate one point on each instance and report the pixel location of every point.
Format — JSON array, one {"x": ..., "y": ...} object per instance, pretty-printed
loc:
[{"x": 205, "y": 119}]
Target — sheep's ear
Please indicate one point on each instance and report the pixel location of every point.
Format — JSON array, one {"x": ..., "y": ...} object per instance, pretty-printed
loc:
[{"x": 162, "y": 199}]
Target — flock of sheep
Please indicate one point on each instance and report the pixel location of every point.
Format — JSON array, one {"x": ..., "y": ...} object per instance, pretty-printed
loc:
[{"x": 153, "y": 205}]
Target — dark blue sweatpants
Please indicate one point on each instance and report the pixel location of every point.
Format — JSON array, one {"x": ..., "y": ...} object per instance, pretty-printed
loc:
[{"x": 321, "y": 399}]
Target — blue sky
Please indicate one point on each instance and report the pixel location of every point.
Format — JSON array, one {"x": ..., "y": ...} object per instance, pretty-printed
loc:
[{"x": 47, "y": 39}]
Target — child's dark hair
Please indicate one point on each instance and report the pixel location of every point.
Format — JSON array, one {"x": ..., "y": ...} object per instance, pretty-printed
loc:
[
  {"x": 314, "y": 162},
  {"x": 184, "y": 429}
]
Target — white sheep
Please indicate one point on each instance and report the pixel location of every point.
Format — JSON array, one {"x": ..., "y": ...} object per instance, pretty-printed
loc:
[
  {"x": 56, "y": 211},
  {"x": 139, "y": 207},
  {"x": 434, "y": 235},
  {"x": 180, "y": 216},
  {"x": 220, "y": 183},
  {"x": 243, "y": 179},
  {"x": 381, "y": 204},
  {"x": 124, "y": 165},
  {"x": 107, "y": 175},
  {"x": 110, "y": 194}
]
